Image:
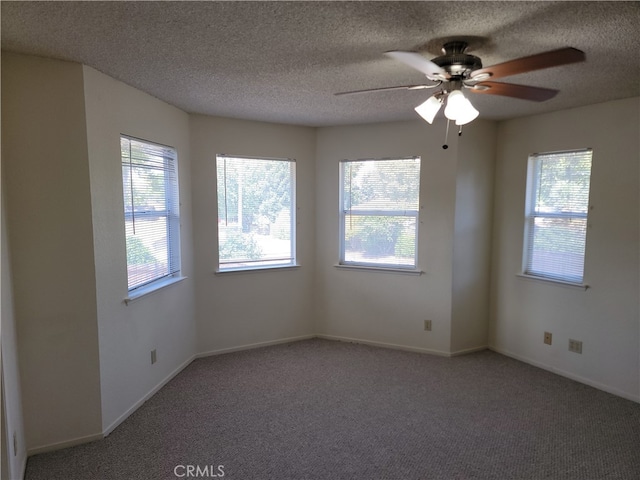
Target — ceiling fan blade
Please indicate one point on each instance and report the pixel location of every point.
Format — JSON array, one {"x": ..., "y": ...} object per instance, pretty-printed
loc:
[
  {"x": 553, "y": 58},
  {"x": 417, "y": 61},
  {"x": 385, "y": 89},
  {"x": 524, "y": 92}
]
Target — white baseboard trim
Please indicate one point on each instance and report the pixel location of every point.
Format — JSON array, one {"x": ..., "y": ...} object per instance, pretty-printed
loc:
[
  {"x": 251, "y": 346},
  {"x": 154, "y": 390},
  {"x": 468, "y": 350},
  {"x": 569, "y": 375},
  {"x": 147, "y": 396},
  {"x": 65, "y": 444},
  {"x": 184, "y": 365},
  {"x": 393, "y": 346},
  {"x": 118, "y": 421},
  {"x": 23, "y": 469}
]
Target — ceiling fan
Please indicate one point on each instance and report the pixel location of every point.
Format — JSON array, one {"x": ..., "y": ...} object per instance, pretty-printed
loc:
[{"x": 456, "y": 70}]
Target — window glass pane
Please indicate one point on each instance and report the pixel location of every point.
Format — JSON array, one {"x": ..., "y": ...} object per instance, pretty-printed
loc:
[
  {"x": 381, "y": 184},
  {"x": 380, "y": 240},
  {"x": 255, "y": 212},
  {"x": 379, "y": 213},
  {"x": 152, "y": 224},
  {"x": 558, "y": 248},
  {"x": 147, "y": 253},
  {"x": 563, "y": 183},
  {"x": 557, "y": 215}
]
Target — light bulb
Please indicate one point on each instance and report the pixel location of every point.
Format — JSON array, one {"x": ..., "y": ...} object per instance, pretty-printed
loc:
[
  {"x": 429, "y": 109},
  {"x": 455, "y": 105},
  {"x": 468, "y": 114},
  {"x": 460, "y": 109}
]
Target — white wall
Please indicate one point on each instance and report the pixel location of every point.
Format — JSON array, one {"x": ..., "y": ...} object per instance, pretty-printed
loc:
[
  {"x": 605, "y": 317},
  {"x": 48, "y": 207},
  {"x": 472, "y": 237},
  {"x": 14, "y": 459},
  {"x": 164, "y": 320},
  {"x": 390, "y": 308},
  {"x": 84, "y": 355},
  {"x": 4, "y": 453},
  {"x": 239, "y": 309}
]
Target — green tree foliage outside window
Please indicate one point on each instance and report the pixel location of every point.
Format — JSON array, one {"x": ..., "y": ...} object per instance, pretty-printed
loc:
[{"x": 137, "y": 253}]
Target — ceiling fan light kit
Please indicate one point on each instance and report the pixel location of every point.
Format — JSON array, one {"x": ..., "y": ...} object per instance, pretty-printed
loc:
[
  {"x": 455, "y": 69},
  {"x": 430, "y": 108},
  {"x": 459, "y": 109}
]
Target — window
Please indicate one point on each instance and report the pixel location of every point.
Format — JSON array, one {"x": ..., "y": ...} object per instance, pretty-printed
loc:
[
  {"x": 379, "y": 212},
  {"x": 556, "y": 215},
  {"x": 151, "y": 213},
  {"x": 256, "y": 212}
]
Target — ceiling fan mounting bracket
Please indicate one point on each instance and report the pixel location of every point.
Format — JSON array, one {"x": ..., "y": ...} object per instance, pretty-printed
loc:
[
  {"x": 457, "y": 63},
  {"x": 454, "y": 46}
]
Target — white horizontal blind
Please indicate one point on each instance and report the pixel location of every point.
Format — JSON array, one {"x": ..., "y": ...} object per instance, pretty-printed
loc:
[
  {"x": 256, "y": 212},
  {"x": 379, "y": 212},
  {"x": 151, "y": 211},
  {"x": 557, "y": 211}
]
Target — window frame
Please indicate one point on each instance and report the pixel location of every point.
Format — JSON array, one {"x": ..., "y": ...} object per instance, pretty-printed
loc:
[
  {"x": 293, "y": 260},
  {"x": 343, "y": 213},
  {"x": 532, "y": 212},
  {"x": 171, "y": 212}
]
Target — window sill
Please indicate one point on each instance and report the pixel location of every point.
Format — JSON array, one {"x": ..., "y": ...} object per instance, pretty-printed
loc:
[
  {"x": 561, "y": 283},
  {"x": 231, "y": 271},
  {"x": 404, "y": 271},
  {"x": 152, "y": 288}
]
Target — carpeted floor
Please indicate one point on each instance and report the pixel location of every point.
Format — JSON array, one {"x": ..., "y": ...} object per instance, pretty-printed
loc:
[{"x": 320, "y": 409}]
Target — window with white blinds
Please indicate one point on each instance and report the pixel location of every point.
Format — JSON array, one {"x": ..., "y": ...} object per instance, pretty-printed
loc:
[
  {"x": 556, "y": 215},
  {"x": 151, "y": 211},
  {"x": 379, "y": 212},
  {"x": 256, "y": 212}
]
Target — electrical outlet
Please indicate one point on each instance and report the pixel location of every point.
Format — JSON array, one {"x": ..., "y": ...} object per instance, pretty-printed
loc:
[
  {"x": 154, "y": 357},
  {"x": 427, "y": 325},
  {"x": 547, "y": 338},
  {"x": 575, "y": 346}
]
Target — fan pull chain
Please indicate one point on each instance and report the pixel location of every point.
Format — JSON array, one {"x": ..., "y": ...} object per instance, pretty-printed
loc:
[{"x": 446, "y": 135}]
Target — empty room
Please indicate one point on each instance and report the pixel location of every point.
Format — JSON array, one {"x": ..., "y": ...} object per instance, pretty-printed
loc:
[{"x": 309, "y": 240}]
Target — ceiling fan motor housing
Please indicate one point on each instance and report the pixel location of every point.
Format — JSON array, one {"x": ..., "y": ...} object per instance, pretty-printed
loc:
[{"x": 456, "y": 62}]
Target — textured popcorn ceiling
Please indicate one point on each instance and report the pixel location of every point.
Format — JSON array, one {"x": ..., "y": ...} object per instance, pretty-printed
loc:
[{"x": 283, "y": 61}]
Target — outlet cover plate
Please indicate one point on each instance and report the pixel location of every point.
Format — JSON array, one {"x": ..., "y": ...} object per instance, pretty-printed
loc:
[{"x": 575, "y": 346}]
